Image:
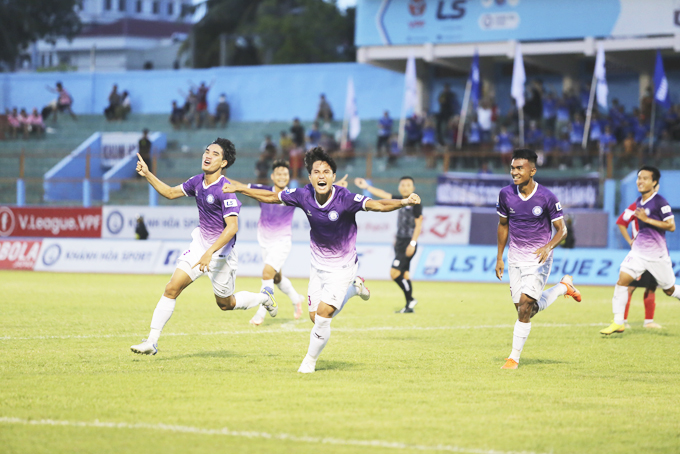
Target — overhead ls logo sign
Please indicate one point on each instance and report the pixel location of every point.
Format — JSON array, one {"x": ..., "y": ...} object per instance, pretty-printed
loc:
[{"x": 451, "y": 9}]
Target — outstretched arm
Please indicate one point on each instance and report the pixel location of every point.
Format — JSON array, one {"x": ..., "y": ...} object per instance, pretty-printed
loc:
[
  {"x": 503, "y": 227},
  {"x": 260, "y": 195},
  {"x": 162, "y": 188},
  {"x": 391, "y": 204},
  {"x": 362, "y": 184}
]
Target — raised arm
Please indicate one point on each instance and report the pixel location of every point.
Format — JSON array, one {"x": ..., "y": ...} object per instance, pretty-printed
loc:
[
  {"x": 503, "y": 228},
  {"x": 163, "y": 189},
  {"x": 361, "y": 183},
  {"x": 260, "y": 195},
  {"x": 227, "y": 234},
  {"x": 391, "y": 204}
]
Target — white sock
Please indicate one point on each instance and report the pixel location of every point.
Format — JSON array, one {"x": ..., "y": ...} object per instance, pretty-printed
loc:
[
  {"x": 619, "y": 302},
  {"x": 161, "y": 315},
  {"x": 549, "y": 296},
  {"x": 261, "y": 312},
  {"x": 648, "y": 321},
  {"x": 676, "y": 292},
  {"x": 248, "y": 300},
  {"x": 319, "y": 336},
  {"x": 519, "y": 337},
  {"x": 287, "y": 287},
  {"x": 267, "y": 283},
  {"x": 351, "y": 292}
]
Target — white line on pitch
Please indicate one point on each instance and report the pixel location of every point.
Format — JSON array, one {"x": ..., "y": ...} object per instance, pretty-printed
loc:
[
  {"x": 250, "y": 434},
  {"x": 291, "y": 329}
]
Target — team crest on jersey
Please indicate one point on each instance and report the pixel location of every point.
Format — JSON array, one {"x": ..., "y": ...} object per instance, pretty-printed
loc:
[
  {"x": 333, "y": 215},
  {"x": 537, "y": 210},
  {"x": 210, "y": 198}
]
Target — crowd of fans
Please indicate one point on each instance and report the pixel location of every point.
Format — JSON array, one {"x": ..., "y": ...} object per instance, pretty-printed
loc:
[
  {"x": 194, "y": 113},
  {"x": 119, "y": 105}
]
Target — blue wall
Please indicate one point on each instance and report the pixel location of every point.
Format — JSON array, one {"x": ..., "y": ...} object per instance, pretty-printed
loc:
[{"x": 256, "y": 93}]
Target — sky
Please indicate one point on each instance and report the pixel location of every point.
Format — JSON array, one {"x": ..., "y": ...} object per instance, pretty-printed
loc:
[{"x": 343, "y": 4}]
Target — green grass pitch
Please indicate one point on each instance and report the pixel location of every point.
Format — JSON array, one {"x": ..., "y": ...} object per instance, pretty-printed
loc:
[{"x": 386, "y": 383}]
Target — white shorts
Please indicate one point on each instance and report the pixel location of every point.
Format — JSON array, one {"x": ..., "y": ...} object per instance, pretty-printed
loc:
[
  {"x": 275, "y": 255},
  {"x": 529, "y": 280},
  {"x": 662, "y": 270},
  {"x": 329, "y": 286},
  {"x": 221, "y": 271}
]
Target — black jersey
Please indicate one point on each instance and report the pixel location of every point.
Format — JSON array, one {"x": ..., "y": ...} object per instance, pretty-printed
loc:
[{"x": 406, "y": 222}]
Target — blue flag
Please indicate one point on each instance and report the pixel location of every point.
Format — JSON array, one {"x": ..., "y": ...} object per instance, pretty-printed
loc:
[
  {"x": 661, "y": 83},
  {"x": 475, "y": 84}
]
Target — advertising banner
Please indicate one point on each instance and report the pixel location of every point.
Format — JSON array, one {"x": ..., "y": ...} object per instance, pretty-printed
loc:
[
  {"x": 461, "y": 189},
  {"x": 98, "y": 256},
  {"x": 117, "y": 145},
  {"x": 399, "y": 22},
  {"x": 51, "y": 222},
  {"x": 478, "y": 264},
  {"x": 18, "y": 255}
]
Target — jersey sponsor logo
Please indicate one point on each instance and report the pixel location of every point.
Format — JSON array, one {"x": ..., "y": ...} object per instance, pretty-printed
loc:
[
  {"x": 333, "y": 215},
  {"x": 358, "y": 198},
  {"x": 558, "y": 206},
  {"x": 537, "y": 210},
  {"x": 666, "y": 209},
  {"x": 230, "y": 203},
  {"x": 211, "y": 199}
]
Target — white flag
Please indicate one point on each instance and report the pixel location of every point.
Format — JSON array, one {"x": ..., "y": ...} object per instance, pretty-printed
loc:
[
  {"x": 601, "y": 77},
  {"x": 410, "y": 89},
  {"x": 519, "y": 77},
  {"x": 351, "y": 112}
]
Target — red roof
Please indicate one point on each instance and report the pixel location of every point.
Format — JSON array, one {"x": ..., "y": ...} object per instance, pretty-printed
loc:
[{"x": 137, "y": 27}]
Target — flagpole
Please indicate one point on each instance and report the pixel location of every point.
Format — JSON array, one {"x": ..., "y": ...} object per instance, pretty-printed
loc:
[
  {"x": 520, "y": 113},
  {"x": 589, "y": 114},
  {"x": 463, "y": 114},
  {"x": 651, "y": 129}
]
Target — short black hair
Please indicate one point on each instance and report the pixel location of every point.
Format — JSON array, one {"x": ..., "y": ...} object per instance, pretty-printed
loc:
[
  {"x": 228, "y": 150},
  {"x": 318, "y": 154},
  {"x": 656, "y": 175},
  {"x": 406, "y": 177},
  {"x": 525, "y": 153},
  {"x": 280, "y": 163}
]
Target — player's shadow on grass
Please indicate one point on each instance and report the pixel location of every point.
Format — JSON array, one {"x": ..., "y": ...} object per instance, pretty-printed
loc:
[
  {"x": 214, "y": 354},
  {"x": 335, "y": 365},
  {"x": 540, "y": 361}
]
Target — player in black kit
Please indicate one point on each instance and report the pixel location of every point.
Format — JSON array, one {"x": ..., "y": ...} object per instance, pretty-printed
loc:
[{"x": 410, "y": 222}]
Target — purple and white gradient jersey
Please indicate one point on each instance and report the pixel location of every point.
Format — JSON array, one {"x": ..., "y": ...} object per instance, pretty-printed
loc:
[
  {"x": 213, "y": 207},
  {"x": 275, "y": 224},
  {"x": 530, "y": 221},
  {"x": 333, "y": 234},
  {"x": 650, "y": 242}
]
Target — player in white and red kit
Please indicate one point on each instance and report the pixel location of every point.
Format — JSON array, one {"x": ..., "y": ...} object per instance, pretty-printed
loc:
[
  {"x": 649, "y": 251},
  {"x": 331, "y": 212},
  {"x": 211, "y": 251},
  {"x": 527, "y": 213},
  {"x": 645, "y": 281}
]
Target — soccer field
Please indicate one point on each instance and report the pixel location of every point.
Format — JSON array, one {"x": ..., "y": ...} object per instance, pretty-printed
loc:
[{"x": 386, "y": 383}]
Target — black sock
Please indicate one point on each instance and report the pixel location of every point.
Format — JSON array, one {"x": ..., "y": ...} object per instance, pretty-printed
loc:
[
  {"x": 400, "y": 283},
  {"x": 408, "y": 290}
]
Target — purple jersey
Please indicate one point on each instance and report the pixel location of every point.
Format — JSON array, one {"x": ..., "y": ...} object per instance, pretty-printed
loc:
[
  {"x": 333, "y": 232},
  {"x": 530, "y": 221},
  {"x": 275, "y": 224},
  {"x": 650, "y": 242},
  {"x": 213, "y": 207}
]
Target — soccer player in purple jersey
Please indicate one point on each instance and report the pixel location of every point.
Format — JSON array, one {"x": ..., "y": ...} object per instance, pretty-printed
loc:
[
  {"x": 527, "y": 212},
  {"x": 649, "y": 251},
  {"x": 274, "y": 234},
  {"x": 212, "y": 250},
  {"x": 331, "y": 211}
]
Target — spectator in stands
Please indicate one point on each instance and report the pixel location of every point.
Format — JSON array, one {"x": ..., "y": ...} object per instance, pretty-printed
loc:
[
  {"x": 646, "y": 103},
  {"x": 62, "y": 103},
  {"x": 114, "y": 102},
  {"x": 189, "y": 108},
  {"x": 607, "y": 140},
  {"x": 313, "y": 136},
  {"x": 223, "y": 111},
  {"x": 640, "y": 128},
  {"x": 36, "y": 122},
  {"x": 395, "y": 151},
  {"x": 141, "y": 233},
  {"x": 124, "y": 107},
  {"x": 447, "y": 108},
  {"x": 285, "y": 144},
  {"x": 413, "y": 132},
  {"x": 576, "y": 132},
  {"x": 176, "y": 116},
  {"x": 484, "y": 117},
  {"x": 268, "y": 147},
  {"x": 534, "y": 135},
  {"x": 25, "y": 123},
  {"x": 549, "y": 142},
  {"x": 328, "y": 143},
  {"x": 549, "y": 112},
  {"x": 562, "y": 116},
  {"x": 144, "y": 146},
  {"x": 428, "y": 143},
  {"x": 484, "y": 169},
  {"x": 534, "y": 105},
  {"x": 262, "y": 168},
  {"x": 297, "y": 132},
  {"x": 384, "y": 133},
  {"x": 324, "y": 112},
  {"x": 504, "y": 145},
  {"x": 474, "y": 133},
  {"x": 564, "y": 146},
  {"x": 13, "y": 122},
  {"x": 202, "y": 102},
  {"x": 630, "y": 149}
]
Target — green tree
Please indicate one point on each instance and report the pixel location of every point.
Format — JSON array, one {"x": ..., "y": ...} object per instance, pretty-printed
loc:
[
  {"x": 23, "y": 22},
  {"x": 275, "y": 31}
]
